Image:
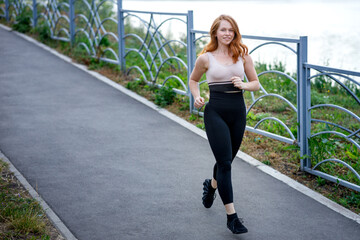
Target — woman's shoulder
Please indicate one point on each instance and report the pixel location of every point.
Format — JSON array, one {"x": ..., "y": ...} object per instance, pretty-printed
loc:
[
  {"x": 247, "y": 57},
  {"x": 205, "y": 56},
  {"x": 203, "y": 59}
]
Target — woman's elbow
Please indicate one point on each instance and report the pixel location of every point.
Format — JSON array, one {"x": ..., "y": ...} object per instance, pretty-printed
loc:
[{"x": 256, "y": 85}]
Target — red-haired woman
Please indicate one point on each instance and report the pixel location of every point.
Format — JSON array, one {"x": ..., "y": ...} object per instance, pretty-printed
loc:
[{"x": 225, "y": 60}]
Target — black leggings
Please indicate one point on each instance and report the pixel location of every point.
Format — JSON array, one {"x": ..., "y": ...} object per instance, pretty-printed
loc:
[{"x": 225, "y": 121}]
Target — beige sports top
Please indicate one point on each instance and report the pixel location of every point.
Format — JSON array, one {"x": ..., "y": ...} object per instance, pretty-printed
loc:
[{"x": 218, "y": 73}]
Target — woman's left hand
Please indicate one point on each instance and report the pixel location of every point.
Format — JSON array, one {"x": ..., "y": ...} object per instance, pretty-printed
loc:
[{"x": 237, "y": 82}]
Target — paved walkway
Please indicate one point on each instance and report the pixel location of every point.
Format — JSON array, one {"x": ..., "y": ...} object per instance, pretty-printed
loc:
[{"x": 113, "y": 168}]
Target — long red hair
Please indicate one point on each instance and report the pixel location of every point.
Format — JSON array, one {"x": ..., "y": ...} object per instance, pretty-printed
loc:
[{"x": 236, "y": 47}]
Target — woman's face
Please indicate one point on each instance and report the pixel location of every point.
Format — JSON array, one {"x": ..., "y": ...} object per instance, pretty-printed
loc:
[{"x": 225, "y": 33}]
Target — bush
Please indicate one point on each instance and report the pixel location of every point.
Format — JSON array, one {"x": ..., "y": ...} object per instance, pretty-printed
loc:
[
  {"x": 44, "y": 33},
  {"x": 23, "y": 22},
  {"x": 164, "y": 96},
  {"x": 135, "y": 85}
]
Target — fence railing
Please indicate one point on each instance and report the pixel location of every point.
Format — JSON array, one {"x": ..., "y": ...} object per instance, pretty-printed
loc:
[
  {"x": 136, "y": 41},
  {"x": 151, "y": 54},
  {"x": 340, "y": 131}
]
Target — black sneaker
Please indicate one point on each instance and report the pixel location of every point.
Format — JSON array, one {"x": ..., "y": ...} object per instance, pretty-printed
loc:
[
  {"x": 208, "y": 194},
  {"x": 236, "y": 226}
]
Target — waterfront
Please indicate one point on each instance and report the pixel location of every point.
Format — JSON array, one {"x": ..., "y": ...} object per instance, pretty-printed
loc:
[{"x": 332, "y": 27}]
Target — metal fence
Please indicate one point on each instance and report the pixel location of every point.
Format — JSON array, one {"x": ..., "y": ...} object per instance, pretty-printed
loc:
[
  {"x": 151, "y": 54},
  {"x": 11, "y": 9},
  {"x": 136, "y": 41},
  {"x": 346, "y": 133}
]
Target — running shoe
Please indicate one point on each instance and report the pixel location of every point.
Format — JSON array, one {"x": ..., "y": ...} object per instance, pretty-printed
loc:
[
  {"x": 236, "y": 226},
  {"x": 209, "y": 194}
]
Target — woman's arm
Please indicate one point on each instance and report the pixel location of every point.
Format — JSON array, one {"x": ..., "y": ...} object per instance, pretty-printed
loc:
[
  {"x": 200, "y": 68},
  {"x": 253, "y": 80}
]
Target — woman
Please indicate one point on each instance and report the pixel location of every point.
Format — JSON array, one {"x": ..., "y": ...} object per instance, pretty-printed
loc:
[{"x": 225, "y": 60}]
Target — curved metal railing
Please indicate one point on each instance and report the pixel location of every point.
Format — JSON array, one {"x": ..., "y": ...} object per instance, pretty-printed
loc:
[
  {"x": 343, "y": 136},
  {"x": 3, "y": 9},
  {"x": 291, "y": 103},
  {"x": 55, "y": 16},
  {"x": 96, "y": 34},
  {"x": 155, "y": 53},
  {"x": 16, "y": 7}
]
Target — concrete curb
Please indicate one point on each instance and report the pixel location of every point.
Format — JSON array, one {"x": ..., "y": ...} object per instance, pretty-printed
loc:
[{"x": 243, "y": 156}]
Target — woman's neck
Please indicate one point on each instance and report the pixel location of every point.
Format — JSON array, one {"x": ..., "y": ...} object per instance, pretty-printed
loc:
[{"x": 223, "y": 50}]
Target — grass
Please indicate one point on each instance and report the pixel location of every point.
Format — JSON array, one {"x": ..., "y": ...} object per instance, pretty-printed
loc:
[
  {"x": 21, "y": 217},
  {"x": 283, "y": 157}
]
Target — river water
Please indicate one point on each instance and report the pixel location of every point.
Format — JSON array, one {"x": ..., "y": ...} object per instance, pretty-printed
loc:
[{"x": 332, "y": 27}]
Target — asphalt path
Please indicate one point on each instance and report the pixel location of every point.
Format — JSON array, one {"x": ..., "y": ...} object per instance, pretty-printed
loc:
[{"x": 113, "y": 168}]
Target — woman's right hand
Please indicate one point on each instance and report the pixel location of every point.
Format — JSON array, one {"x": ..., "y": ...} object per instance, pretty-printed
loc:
[{"x": 199, "y": 102}]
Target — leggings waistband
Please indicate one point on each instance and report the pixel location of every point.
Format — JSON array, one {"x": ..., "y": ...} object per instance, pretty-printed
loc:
[{"x": 224, "y": 88}]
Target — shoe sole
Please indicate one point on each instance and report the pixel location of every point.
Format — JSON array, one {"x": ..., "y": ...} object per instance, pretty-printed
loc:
[{"x": 240, "y": 232}]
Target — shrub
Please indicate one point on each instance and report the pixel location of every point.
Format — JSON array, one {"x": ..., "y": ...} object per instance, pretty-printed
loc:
[
  {"x": 44, "y": 33},
  {"x": 23, "y": 22},
  {"x": 135, "y": 85},
  {"x": 164, "y": 96}
]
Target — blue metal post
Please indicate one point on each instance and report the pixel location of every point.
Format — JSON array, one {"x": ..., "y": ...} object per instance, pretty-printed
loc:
[
  {"x": 72, "y": 22},
  {"x": 7, "y": 10},
  {"x": 304, "y": 103},
  {"x": 191, "y": 54},
  {"x": 34, "y": 14},
  {"x": 121, "y": 36}
]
